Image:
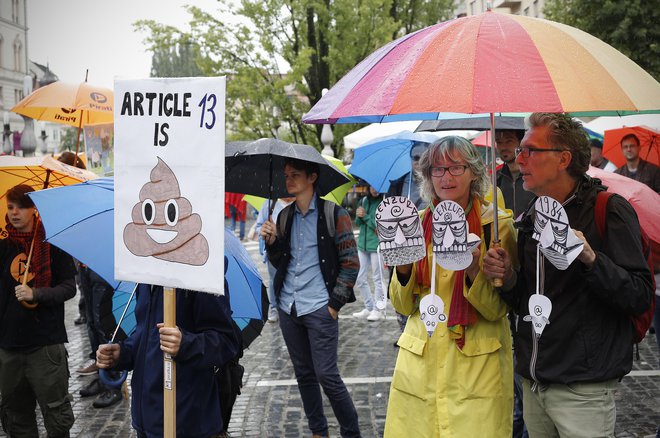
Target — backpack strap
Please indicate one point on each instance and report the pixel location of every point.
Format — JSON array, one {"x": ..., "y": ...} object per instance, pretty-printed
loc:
[
  {"x": 281, "y": 219},
  {"x": 600, "y": 212},
  {"x": 330, "y": 213}
]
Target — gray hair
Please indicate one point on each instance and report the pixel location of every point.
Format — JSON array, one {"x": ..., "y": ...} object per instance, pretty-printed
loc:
[{"x": 455, "y": 149}]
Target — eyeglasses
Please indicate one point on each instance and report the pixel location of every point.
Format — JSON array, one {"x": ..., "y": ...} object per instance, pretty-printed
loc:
[
  {"x": 456, "y": 170},
  {"x": 527, "y": 151}
]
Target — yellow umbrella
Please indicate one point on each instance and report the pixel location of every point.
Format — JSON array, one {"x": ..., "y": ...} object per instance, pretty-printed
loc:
[
  {"x": 336, "y": 196},
  {"x": 37, "y": 172},
  {"x": 76, "y": 105}
]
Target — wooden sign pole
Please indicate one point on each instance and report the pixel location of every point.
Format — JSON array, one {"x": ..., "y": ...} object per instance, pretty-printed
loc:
[{"x": 169, "y": 368}]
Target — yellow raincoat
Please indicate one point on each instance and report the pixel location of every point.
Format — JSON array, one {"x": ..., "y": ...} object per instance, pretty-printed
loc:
[{"x": 438, "y": 390}]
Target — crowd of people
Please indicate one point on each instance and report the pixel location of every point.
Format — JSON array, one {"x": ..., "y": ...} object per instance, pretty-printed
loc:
[{"x": 485, "y": 371}]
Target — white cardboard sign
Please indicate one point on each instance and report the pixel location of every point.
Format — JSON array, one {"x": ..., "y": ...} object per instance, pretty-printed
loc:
[
  {"x": 399, "y": 231},
  {"x": 452, "y": 241},
  {"x": 556, "y": 238},
  {"x": 169, "y": 182}
]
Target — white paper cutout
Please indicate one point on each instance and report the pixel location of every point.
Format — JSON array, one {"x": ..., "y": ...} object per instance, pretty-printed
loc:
[
  {"x": 399, "y": 231},
  {"x": 432, "y": 312},
  {"x": 452, "y": 242},
  {"x": 540, "y": 308},
  {"x": 556, "y": 238}
]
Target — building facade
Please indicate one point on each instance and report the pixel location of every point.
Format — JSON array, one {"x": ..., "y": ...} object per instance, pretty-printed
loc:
[{"x": 13, "y": 61}]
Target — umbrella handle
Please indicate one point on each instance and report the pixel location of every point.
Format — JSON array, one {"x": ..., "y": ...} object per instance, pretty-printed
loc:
[
  {"x": 107, "y": 379},
  {"x": 27, "y": 267},
  {"x": 496, "y": 282}
]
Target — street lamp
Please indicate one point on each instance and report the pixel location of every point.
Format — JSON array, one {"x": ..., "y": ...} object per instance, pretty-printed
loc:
[{"x": 326, "y": 135}]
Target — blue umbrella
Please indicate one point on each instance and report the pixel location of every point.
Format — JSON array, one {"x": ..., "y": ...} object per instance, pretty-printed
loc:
[
  {"x": 387, "y": 158},
  {"x": 79, "y": 220}
]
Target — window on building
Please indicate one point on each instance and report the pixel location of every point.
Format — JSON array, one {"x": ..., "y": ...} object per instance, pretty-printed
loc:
[
  {"x": 2, "y": 98},
  {"x": 535, "y": 8},
  {"x": 18, "y": 54},
  {"x": 526, "y": 11},
  {"x": 472, "y": 6},
  {"x": 2, "y": 46},
  {"x": 18, "y": 95},
  {"x": 14, "y": 10}
]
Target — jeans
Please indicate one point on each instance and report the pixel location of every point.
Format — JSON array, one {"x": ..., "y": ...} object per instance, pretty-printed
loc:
[
  {"x": 233, "y": 214},
  {"x": 271, "y": 289},
  {"x": 368, "y": 259},
  {"x": 312, "y": 343}
]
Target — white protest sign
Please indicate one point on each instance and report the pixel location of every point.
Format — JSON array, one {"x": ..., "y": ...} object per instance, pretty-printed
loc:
[
  {"x": 169, "y": 182},
  {"x": 400, "y": 236},
  {"x": 540, "y": 308},
  {"x": 557, "y": 240},
  {"x": 452, "y": 241}
]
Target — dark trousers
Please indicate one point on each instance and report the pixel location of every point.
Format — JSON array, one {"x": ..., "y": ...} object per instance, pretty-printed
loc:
[
  {"x": 26, "y": 379},
  {"x": 95, "y": 290},
  {"x": 312, "y": 342}
]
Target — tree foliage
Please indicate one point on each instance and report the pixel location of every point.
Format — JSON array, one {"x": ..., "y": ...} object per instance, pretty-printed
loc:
[
  {"x": 631, "y": 26},
  {"x": 279, "y": 55},
  {"x": 68, "y": 139}
]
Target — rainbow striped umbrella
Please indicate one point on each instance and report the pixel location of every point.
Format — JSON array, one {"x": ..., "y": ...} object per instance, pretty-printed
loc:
[{"x": 489, "y": 63}]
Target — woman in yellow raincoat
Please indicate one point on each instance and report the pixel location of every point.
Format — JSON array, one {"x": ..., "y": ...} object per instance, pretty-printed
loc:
[{"x": 459, "y": 381}]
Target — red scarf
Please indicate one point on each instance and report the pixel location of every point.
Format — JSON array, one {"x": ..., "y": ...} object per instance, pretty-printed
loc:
[
  {"x": 40, "y": 261},
  {"x": 461, "y": 312}
]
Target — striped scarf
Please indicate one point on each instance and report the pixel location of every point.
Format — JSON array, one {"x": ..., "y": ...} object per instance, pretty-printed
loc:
[
  {"x": 461, "y": 312},
  {"x": 40, "y": 261}
]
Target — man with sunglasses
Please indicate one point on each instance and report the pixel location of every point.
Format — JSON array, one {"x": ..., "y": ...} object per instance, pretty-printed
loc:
[{"x": 571, "y": 370}]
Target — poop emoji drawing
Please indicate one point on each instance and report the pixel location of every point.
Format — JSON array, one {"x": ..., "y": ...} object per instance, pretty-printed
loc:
[{"x": 164, "y": 225}]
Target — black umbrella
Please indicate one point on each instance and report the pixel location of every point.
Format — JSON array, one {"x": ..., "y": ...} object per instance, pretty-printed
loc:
[
  {"x": 472, "y": 123},
  {"x": 256, "y": 168}
]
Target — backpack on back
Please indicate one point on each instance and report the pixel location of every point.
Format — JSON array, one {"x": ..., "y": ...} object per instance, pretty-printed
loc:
[
  {"x": 329, "y": 211},
  {"x": 641, "y": 323}
]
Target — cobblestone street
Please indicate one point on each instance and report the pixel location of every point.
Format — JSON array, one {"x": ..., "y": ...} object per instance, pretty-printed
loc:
[{"x": 270, "y": 405}]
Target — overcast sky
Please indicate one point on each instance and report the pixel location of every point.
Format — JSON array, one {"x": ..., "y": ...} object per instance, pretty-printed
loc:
[{"x": 74, "y": 35}]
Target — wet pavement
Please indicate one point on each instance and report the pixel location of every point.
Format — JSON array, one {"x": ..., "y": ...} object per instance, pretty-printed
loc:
[{"x": 270, "y": 405}]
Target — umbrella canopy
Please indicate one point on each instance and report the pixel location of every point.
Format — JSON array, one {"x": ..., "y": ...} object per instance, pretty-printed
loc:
[
  {"x": 649, "y": 140},
  {"x": 478, "y": 122},
  {"x": 38, "y": 173},
  {"x": 489, "y": 63},
  {"x": 387, "y": 158},
  {"x": 644, "y": 200},
  {"x": 256, "y": 168},
  {"x": 71, "y": 104}
]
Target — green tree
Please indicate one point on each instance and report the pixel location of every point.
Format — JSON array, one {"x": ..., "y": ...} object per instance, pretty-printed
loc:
[
  {"x": 631, "y": 26},
  {"x": 279, "y": 55},
  {"x": 68, "y": 140}
]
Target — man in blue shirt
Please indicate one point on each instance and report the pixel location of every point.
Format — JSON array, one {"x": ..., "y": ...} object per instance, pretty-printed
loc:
[{"x": 316, "y": 269}]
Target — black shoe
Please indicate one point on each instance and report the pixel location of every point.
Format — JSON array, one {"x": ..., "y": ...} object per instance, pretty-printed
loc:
[
  {"x": 80, "y": 320},
  {"x": 94, "y": 388},
  {"x": 108, "y": 398}
]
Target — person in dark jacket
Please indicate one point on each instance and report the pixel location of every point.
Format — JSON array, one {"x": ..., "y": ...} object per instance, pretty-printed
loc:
[
  {"x": 33, "y": 361},
  {"x": 316, "y": 269},
  {"x": 509, "y": 180},
  {"x": 202, "y": 341},
  {"x": 571, "y": 370},
  {"x": 636, "y": 168}
]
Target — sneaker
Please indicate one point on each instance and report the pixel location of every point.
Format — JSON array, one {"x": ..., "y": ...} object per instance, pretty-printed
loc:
[
  {"x": 80, "y": 320},
  {"x": 375, "y": 315},
  {"x": 107, "y": 398},
  {"x": 273, "y": 316},
  {"x": 362, "y": 314},
  {"x": 94, "y": 388},
  {"x": 88, "y": 369}
]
